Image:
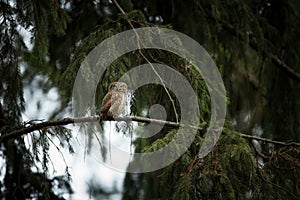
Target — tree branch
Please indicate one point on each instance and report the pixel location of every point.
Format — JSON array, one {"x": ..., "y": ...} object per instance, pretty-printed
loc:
[
  {"x": 33, "y": 127},
  {"x": 292, "y": 73},
  {"x": 252, "y": 137},
  {"x": 274, "y": 58},
  {"x": 30, "y": 127},
  {"x": 139, "y": 43}
]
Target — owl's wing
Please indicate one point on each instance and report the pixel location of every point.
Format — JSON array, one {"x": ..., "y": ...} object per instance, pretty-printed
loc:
[{"x": 106, "y": 102}]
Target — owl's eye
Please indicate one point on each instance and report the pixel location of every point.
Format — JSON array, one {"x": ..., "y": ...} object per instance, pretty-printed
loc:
[{"x": 112, "y": 87}]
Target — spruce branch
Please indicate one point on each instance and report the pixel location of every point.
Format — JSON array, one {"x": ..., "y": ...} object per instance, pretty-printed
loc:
[
  {"x": 253, "y": 44},
  {"x": 30, "y": 127},
  {"x": 140, "y": 44},
  {"x": 273, "y": 57}
]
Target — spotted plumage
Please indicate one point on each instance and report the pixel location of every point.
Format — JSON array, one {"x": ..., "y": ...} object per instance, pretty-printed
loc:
[{"x": 114, "y": 102}]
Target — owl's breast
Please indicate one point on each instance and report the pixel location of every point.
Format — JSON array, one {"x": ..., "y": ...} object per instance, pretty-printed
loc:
[{"x": 118, "y": 103}]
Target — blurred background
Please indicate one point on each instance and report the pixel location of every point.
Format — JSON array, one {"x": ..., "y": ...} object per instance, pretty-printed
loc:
[{"x": 255, "y": 45}]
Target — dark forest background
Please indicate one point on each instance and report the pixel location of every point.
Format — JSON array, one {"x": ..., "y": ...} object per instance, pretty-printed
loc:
[{"x": 255, "y": 45}]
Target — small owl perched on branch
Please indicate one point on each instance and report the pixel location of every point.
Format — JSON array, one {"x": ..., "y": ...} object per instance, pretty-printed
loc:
[{"x": 114, "y": 102}]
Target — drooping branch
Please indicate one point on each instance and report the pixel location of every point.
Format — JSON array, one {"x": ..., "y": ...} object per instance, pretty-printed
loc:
[
  {"x": 253, "y": 44},
  {"x": 30, "y": 127},
  {"x": 274, "y": 58},
  {"x": 292, "y": 73}
]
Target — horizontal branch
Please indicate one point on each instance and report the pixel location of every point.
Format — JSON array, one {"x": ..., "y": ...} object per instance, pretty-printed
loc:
[
  {"x": 30, "y": 127},
  {"x": 252, "y": 137}
]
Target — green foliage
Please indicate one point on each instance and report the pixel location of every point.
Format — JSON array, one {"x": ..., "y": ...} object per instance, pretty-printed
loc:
[
  {"x": 230, "y": 171},
  {"x": 241, "y": 36},
  {"x": 130, "y": 60},
  {"x": 280, "y": 175},
  {"x": 23, "y": 178},
  {"x": 220, "y": 175},
  {"x": 11, "y": 89},
  {"x": 108, "y": 29}
]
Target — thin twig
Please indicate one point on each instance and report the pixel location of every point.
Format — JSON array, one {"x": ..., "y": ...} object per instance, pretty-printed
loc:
[
  {"x": 257, "y": 152},
  {"x": 139, "y": 42},
  {"x": 252, "y": 137},
  {"x": 57, "y": 148},
  {"x": 162, "y": 82}
]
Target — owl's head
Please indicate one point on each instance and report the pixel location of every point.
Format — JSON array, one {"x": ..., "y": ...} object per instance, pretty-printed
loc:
[{"x": 118, "y": 86}]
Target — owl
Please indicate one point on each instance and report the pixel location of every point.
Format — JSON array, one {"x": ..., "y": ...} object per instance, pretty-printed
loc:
[{"x": 114, "y": 102}]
